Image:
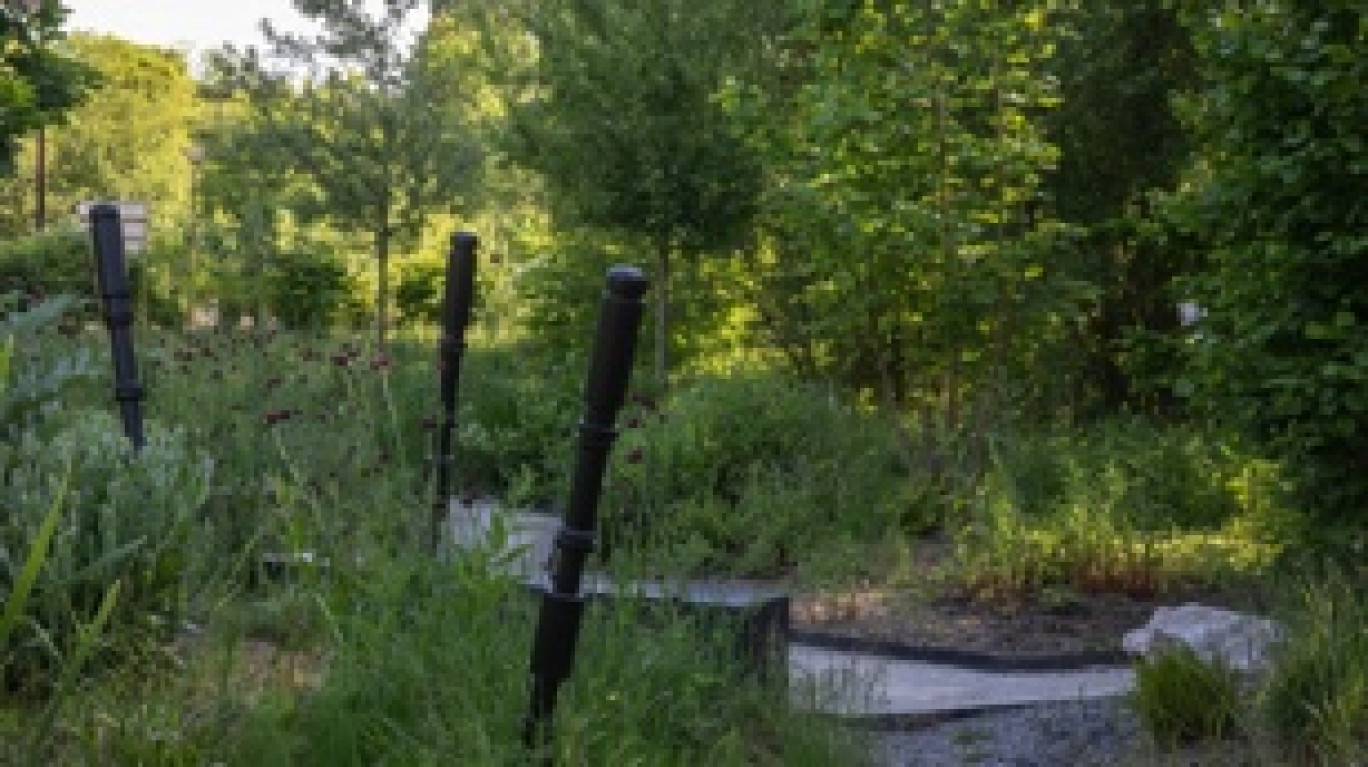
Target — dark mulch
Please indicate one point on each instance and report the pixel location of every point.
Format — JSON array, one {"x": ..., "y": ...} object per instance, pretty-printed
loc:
[{"x": 936, "y": 614}]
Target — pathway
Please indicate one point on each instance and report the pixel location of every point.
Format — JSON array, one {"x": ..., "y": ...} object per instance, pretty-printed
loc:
[{"x": 847, "y": 683}]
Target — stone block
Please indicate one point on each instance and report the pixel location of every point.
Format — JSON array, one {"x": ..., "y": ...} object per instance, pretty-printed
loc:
[{"x": 1241, "y": 642}]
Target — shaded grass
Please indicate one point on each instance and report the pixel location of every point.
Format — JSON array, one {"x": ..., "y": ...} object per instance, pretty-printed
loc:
[{"x": 424, "y": 663}]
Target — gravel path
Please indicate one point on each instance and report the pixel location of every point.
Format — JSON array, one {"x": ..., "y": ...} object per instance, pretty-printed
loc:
[{"x": 1082, "y": 733}]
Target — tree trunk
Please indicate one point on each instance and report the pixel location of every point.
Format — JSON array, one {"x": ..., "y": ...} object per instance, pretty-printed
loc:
[
  {"x": 382, "y": 243},
  {"x": 662, "y": 328},
  {"x": 40, "y": 182}
]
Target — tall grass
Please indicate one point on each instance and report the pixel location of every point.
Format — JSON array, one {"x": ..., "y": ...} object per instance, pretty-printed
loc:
[
  {"x": 318, "y": 446},
  {"x": 1316, "y": 696},
  {"x": 752, "y": 473},
  {"x": 1128, "y": 507}
]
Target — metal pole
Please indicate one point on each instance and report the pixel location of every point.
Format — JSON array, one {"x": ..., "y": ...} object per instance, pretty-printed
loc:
[
  {"x": 111, "y": 275},
  {"x": 456, "y": 306},
  {"x": 558, "y": 624}
]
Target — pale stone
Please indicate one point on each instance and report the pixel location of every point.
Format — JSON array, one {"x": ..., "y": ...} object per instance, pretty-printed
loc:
[
  {"x": 529, "y": 537},
  {"x": 1241, "y": 642}
]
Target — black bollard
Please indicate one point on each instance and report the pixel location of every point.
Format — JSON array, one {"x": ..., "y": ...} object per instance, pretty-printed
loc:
[
  {"x": 456, "y": 305},
  {"x": 111, "y": 274},
  {"x": 553, "y": 648}
]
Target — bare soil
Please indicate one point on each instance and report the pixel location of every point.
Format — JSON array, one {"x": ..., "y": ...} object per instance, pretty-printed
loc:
[{"x": 936, "y": 612}]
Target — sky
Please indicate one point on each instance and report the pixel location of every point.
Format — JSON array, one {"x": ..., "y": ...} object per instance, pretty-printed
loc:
[{"x": 194, "y": 24}]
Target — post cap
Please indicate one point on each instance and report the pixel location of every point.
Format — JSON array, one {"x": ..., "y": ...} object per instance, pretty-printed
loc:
[
  {"x": 104, "y": 210},
  {"x": 627, "y": 282},
  {"x": 464, "y": 240}
]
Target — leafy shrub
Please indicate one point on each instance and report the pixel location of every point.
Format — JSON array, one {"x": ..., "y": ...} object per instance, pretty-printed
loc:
[
  {"x": 517, "y": 415},
  {"x": 55, "y": 261},
  {"x": 308, "y": 290},
  {"x": 1316, "y": 694},
  {"x": 418, "y": 292},
  {"x": 1282, "y": 351},
  {"x": 127, "y": 519},
  {"x": 32, "y": 390},
  {"x": 1182, "y": 698},
  {"x": 1126, "y": 506},
  {"x": 556, "y": 296},
  {"x": 1155, "y": 477},
  {"x": 752, "y": 470},
  {"x": 60, "y": 261}
]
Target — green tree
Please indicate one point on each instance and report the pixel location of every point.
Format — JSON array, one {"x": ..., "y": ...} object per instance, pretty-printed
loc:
[
  {"x": 378, "y": 127},
  {"x": 245, "y": 185},
  {"x": 1278, "y": 199},
  {"x": 38, "y": 80},
  {"x": 129, "y": 140},
  {"x": 622, "y": 122},
  {"x": 1120, "y": 67},
  {"x": 906, "y": 161}
]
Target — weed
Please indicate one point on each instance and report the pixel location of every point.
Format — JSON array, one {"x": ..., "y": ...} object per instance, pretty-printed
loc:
[
  {"x": 1316, "y": 695},
  {"x": 1182, "y": 698}
]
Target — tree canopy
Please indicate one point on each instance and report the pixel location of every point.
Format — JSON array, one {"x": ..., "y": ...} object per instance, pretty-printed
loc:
[
  {"x": 621, "y": 120},
  {"x": 38, "y": 81},
  {"x": 374, "y": 123}
]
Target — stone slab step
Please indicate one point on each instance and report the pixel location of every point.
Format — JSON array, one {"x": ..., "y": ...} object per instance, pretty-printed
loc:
[{"x": 865, "y": 685}]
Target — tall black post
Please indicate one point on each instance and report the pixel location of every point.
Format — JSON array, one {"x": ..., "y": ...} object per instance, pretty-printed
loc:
[
  {"x": 456, "y": 305},
  {"x": 111, "y": 274},
  {"x": 553, "y": 649}
]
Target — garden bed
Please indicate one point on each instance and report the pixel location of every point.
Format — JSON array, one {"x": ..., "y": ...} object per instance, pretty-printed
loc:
[{"x": 936, "y": 619}]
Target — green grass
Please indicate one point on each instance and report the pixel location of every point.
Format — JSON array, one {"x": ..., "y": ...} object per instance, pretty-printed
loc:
[
  {"x": 1183, "y": 699},
  {"x": 389, "y": 658},
  {"x": 1316, "y": 696},
  {"x": 392, "y": 659},
  {"x": 1123, "y": 507}
]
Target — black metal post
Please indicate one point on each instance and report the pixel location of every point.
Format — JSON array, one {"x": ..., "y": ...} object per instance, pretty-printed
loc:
[
  {"x": 111, "y": 275},
  {"x": 558, "y": 624},
  {"x": 456, "y": 305}
]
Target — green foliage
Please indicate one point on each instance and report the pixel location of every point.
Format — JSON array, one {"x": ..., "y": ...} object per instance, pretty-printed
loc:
[
  {"x": 1120, "y": 67},
  {"x": 58, "y": 261},
  {"x": 39, "y": 81},
  {"x": 128, "y": 140},
  {"x": 418, "y": 296},
  {"x": 1157, "y": 477},
  {"x": 308, "y": 289},
  {"x": 622, "y": 123},
  {"x": 55, "y": 261},
  {"x": 558, "y": 293},
  {"x": 1316, "y": 694},
  {"x": 1125, "y": 507},
  {"x": 747, "y": 473},
  {"x": 306, "y": 430},
  {"x": 32, "y": 385},
  {"x": 1278, "y": 204},
  {"x": 516, "y": 421},
  {"x": 125, "y": 519},
  {"x": 1183, "y": 699},
  {"x": 23, "y": 576},
  {"x": 903, "y": 252},
  {"x": 649, "y": 687},
  {"x": 379, "y": 132},
  {"x": 666, "y": 166}
]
